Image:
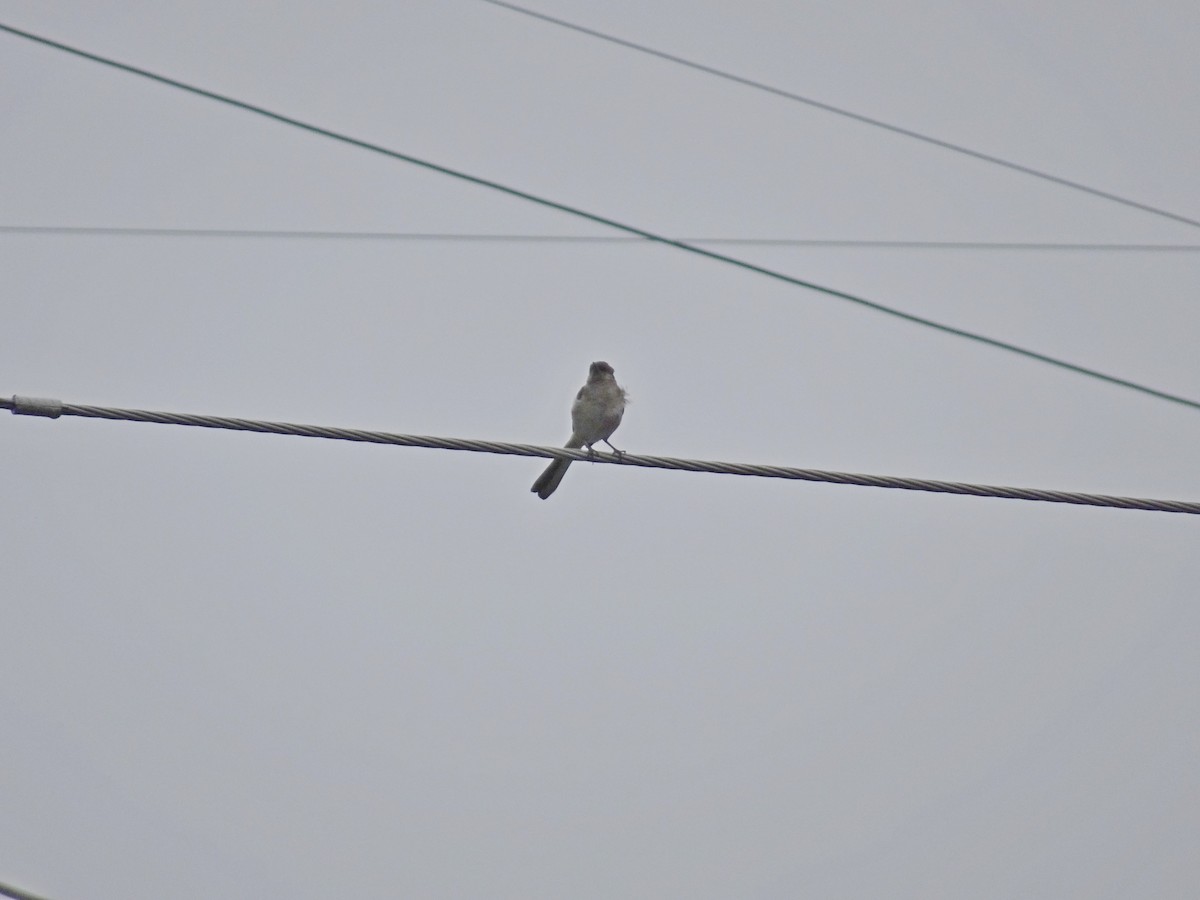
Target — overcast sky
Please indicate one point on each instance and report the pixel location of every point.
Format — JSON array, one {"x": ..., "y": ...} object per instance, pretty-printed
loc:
[{"x": 248, "y": 666}]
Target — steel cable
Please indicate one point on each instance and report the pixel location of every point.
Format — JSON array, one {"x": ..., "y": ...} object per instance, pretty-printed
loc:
[{"x": 53, "y": 409}]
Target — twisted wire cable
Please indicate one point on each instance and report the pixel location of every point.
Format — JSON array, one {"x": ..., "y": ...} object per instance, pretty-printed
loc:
[{"x": 53, "y": 409}]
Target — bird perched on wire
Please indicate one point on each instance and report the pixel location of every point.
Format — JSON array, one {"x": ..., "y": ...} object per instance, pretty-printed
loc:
[{"x": 595, "y": 415}]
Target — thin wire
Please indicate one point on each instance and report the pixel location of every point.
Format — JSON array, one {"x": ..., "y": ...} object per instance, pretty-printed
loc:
[
  {"x": 54, "y": 408},
  {"x": 611, "y": 223},
  {"x": 78, "y": 230},
  {"x": 858, "y": 117},
  {"x": 17, "y": 893}
]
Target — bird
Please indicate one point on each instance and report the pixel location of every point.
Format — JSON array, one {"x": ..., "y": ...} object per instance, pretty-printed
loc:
[{"x": 595, "y": 415}]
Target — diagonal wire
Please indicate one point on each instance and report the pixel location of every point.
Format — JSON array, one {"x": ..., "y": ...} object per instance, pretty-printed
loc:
[
  {"x": 53, "y": 409},
  {"x": 845, "y": 113},
  {"x": 115, "y": 231},
  {"x": 17, "y": 893},
  {"x": 611, "y": 223}
]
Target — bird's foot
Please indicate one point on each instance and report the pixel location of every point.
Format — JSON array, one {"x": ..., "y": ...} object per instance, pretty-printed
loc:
[{"x": 619, "y": 454}]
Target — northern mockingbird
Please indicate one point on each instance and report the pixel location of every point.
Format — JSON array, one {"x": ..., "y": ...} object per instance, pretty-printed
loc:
[{"x": 595, "y": 415}]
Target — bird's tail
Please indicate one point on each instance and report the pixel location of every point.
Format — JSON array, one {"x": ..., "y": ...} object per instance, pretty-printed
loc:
[{"x": 548, "y": 481}]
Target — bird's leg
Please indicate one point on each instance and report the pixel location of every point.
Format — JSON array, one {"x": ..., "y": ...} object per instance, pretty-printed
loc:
[
  {"x": 591, "y": 451},
  {"x": 620, "y": 454}
]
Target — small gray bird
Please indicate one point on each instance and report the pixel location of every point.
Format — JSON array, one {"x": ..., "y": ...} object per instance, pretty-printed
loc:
[{"x": 595, "y": 415}]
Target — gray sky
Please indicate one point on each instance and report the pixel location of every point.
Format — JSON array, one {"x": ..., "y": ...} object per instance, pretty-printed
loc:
[{"x": 254, "y": 666}]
